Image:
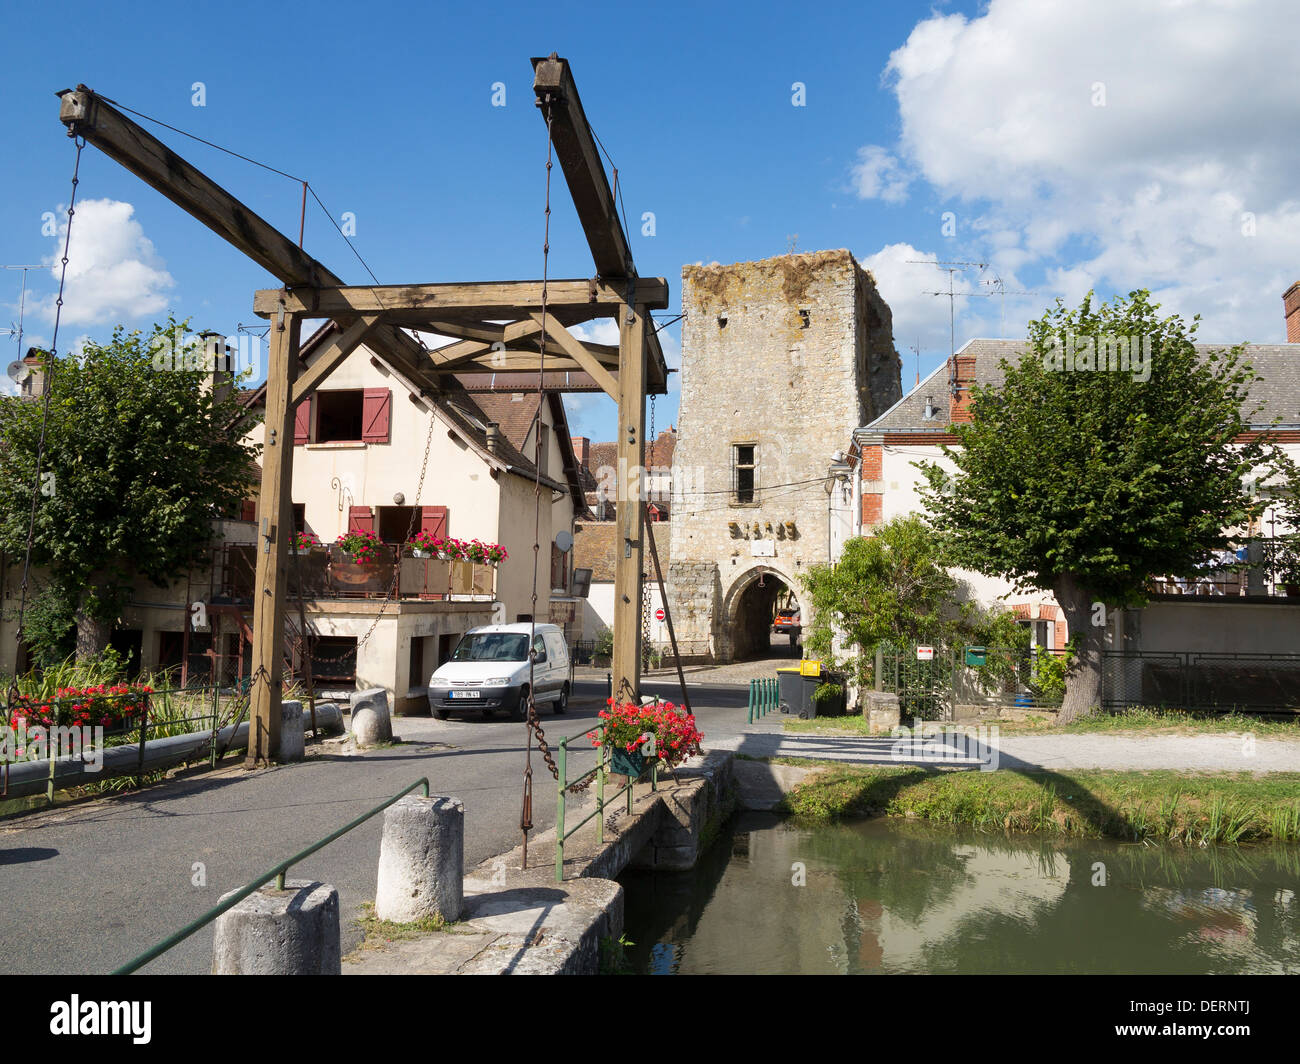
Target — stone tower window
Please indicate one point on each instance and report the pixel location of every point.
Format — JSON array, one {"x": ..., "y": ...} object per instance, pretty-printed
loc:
[{"x": 744, "y": 469}]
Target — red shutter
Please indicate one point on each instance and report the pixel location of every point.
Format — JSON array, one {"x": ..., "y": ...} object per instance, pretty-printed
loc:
[
  {"x": 248, "y": 510},
  {"x": 376, "y": 415},
  {"x": 302, "y": 421},
  {"x": 433, "y": 519},
  {"x": 360, "y": 518}
]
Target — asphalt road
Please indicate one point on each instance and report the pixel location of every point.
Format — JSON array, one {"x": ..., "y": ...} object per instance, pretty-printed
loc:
[{"x": 89, "y": 886}]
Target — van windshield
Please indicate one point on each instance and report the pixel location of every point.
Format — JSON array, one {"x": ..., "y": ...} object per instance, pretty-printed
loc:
[{"x": 492, "y": 646}]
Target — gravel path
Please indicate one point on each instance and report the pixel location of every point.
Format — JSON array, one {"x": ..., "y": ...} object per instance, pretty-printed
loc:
[{"x": 1193, "y": 753}]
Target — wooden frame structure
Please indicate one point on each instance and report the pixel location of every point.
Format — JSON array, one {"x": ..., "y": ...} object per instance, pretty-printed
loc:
[{"x": 377, "y": 316}]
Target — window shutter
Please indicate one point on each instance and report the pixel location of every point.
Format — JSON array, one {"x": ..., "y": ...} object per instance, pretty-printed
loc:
[
  {"x": 248, "y": 510},
  {"x": 376, "y": 415},
  {"x": 302, "y": 421},
  {"x": 360, "y": 519},
  {"x": 433, "y": 519}
]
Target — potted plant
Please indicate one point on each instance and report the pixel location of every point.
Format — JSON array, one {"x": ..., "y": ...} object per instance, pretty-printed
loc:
[
  {"x": 484, "y": 553},
  {"x": 360, "y": 544},
  {"x": 637, "y": 736},
  {"x": 424, "y": 544},
  {"x": 1286, "y": 564},
  {"x": 305, "y": 542}
]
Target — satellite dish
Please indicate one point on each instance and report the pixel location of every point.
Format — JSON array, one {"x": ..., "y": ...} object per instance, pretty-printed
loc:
[
  {"x": 564, "y": 540},
  {"x": 19, "y": 371}
]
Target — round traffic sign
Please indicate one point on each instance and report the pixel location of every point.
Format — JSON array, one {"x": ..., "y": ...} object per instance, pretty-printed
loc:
[{"x": 659, "y": 614}]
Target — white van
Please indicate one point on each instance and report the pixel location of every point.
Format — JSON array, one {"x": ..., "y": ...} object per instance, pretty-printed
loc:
[{"x": 489, "y": 670}]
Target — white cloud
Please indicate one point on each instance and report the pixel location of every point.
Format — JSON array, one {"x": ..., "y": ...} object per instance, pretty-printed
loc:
[
  {"x": 1114, "y": 144},
  {"x": 114, "y": 274},
  {"x": 877, "y": 173}
]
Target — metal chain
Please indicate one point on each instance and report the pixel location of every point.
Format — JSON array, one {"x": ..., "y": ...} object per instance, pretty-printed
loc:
[{"x": 47, "y": 383}]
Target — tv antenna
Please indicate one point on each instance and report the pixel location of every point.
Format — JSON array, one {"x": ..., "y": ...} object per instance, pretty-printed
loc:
[
  {"x": 1000, "y": 289},
  {"x": 952, "y": 294},
  {"x": 916, "y": 350},
  {"x": 17, "y": 330}
]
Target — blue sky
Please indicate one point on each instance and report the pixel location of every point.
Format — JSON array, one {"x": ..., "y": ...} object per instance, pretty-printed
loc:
[{"x": 1109, "y": 146}]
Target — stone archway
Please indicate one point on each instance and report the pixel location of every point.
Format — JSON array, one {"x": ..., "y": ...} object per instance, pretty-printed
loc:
[{"x": 747, "y": 610}]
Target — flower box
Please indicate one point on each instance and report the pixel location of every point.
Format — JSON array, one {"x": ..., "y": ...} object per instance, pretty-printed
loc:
[{"x": 631, "y": 763}]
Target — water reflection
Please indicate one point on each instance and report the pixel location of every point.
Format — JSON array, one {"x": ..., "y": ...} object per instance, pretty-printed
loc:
[{"x": 889, "y": 896}]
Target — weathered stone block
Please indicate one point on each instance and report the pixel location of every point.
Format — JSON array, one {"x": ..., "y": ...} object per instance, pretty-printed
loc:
[{"x": 280, "y": 932}]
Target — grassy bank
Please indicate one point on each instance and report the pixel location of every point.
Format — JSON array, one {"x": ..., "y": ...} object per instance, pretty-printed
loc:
[
  {"x": 1174, "y": 806},
  {"x": 1137, "y": 720}
]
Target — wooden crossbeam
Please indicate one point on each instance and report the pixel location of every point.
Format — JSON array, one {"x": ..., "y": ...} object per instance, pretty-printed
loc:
[
  {"x": 90, "y": 116},
  {"x": 419, "y": 304},
  {"x": 574, "y": 348}
]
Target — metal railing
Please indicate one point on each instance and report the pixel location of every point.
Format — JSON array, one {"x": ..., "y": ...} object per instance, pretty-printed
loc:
[
  {"x": 277, "y": 873},
  {"x": 136, "y": 716},
  {"x": 764, "y": 697},
  {"x": 564, "y": 785},
  {"x": 329, "y": 572}
]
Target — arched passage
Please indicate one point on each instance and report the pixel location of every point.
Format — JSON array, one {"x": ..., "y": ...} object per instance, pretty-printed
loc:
[{"x": 751, "y": 609}]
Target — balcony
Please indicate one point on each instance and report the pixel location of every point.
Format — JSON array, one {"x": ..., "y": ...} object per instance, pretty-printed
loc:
[
  {"x": 329, "y": 573},
  {"x": 1252, "y": 569}
]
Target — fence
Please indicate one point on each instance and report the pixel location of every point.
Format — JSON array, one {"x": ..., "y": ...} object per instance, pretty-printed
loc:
[
  {"x": 1193, "y": 680},
  {"x": 1256, "y": 567},
  {"x": 81, "y": 727},
  {"x": 1202, "y": 681},
  {"x": 764, "y": 697},
  {"x": 331, "y": 573}
]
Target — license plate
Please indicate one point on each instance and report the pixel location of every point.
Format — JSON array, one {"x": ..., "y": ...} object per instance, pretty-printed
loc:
[{"x": 466, "y": 694}]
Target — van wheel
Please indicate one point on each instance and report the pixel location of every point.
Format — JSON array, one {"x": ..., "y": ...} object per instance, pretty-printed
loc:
[
  {"x": 562, "y": 703},
  {"x": 521, "y": 707}
]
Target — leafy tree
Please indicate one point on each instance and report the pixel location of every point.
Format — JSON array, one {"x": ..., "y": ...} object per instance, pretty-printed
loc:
[
  {"x": 894, "y": 587},
  {"x": 1088, "y": 483},
  {"x": 138, "y": 461}
]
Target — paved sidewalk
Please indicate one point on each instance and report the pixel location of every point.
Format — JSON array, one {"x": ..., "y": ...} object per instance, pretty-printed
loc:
[{"x": 1193, "y": 753}]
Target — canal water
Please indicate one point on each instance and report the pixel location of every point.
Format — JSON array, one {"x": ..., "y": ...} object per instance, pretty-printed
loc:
[{"x": 898, "y": 896}]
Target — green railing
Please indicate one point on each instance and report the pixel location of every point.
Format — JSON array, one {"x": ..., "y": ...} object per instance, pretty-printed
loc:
[
  {"x": 277, "y": 873},
  {"x": 764, "y": 697},
  {"x": 167, "y": 710},
  {"x": 600, "y": 772}
]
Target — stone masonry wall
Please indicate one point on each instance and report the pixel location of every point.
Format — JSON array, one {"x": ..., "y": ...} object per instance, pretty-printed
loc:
[{"x": 789, "y": 354}]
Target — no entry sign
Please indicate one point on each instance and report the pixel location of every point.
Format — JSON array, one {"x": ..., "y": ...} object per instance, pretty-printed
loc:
[{"x": 659, "y": 614}]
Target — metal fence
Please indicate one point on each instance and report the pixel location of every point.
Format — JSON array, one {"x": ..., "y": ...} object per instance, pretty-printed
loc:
[
  {"x": 1202, "y": 681},
  {"x": 1199, "y": 681}
]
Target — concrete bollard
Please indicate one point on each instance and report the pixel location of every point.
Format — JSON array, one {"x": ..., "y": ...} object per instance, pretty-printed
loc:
[
  {"x": 881, "y": 711},
  {"x": 280, "y": 932},
  {"x": 422, "y": 860},
  {"x": 293, "y": 740},
  {"x": 371, "y": 722}
]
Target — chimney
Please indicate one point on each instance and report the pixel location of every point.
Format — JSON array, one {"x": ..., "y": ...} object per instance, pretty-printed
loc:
[
  {"x": 493, "y": 437},
  {"x": 582, "y": 451},
  {"x": 1291, "y": 306},
  {"x": 32, "y": 384},
  {"x": 961, "y": 374}
]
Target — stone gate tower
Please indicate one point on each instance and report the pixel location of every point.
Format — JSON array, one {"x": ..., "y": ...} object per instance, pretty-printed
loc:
[{"x": 781, "y": 360}]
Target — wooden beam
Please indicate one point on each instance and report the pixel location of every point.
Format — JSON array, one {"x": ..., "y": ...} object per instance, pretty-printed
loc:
[
  {"x": 117, "y": 136},
  {"x": 332, "y": 357},
  {"x": 274, "y": 523},
  {"x": 573, "y": 347},
  {"x": 418, "y": 304},
  {"x": 629, "y": 530},
  {"x": 584, "y": 173}
]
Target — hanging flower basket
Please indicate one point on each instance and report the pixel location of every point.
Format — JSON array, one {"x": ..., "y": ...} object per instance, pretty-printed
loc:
[{"x": 631, "y": 732}]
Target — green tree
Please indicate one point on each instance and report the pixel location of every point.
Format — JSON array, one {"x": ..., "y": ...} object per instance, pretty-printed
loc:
[
  {"x": 1088, "y": 482},
  {"x": 895, "y": 587},
  {"x": 138, "y": 461}
]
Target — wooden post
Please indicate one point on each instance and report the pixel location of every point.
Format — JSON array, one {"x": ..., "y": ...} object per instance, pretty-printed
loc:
[
  {"x": 274, "y": 525},
  {"x": 628, "y": 549}
]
